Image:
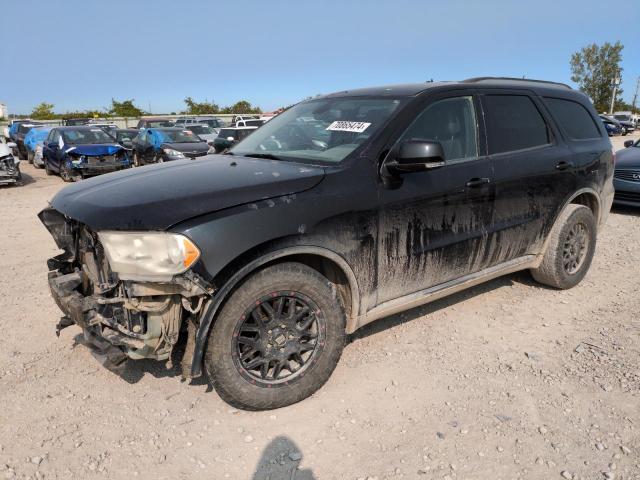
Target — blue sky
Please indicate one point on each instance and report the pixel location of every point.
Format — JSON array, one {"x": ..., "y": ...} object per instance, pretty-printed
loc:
[{"x": 77, "y": 54}]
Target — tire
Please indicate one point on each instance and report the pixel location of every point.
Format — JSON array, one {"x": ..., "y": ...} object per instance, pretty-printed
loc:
[
  {"x": 569, "y": 253},
  {"x": 291, "y": 284},
  {"x": 66, "y": 174},
  {"x": 30, "y": 156},
  {"x": 47, "y": 170},
  {"x": 136, "y": 160}
]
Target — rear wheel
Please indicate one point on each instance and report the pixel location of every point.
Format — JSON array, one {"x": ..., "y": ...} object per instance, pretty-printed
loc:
[
  {"x": 570, "y": 249},
  {"x": 136, "y": 160},
  {"x": 30, "y": 156},
  {"x": 277, "y": 339}
]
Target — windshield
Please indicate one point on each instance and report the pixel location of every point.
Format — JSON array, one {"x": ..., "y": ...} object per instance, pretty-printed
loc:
[
  {"x": 200, "y": 129},
  {"x": 326, "y": 130},
  {"x": 179, "y": 136},
  {"x": 253, "y": 123},
  {"x": 86, "y": 136},
  {"x": 624, "y": 118}
]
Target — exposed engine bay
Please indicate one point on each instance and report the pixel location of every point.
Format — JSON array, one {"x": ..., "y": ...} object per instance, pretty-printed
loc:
[
  {"x": 122, "y": 319},
  {"x": 9, "y": 167}
]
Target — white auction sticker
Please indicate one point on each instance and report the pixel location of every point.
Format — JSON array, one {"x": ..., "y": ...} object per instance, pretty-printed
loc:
[{"x": 342, "y": 126}]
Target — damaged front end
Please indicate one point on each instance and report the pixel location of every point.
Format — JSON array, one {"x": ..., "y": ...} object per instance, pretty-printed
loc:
[
  {"x": 129, "y": 315},
  {"x": 9, "y": 170},
  {"x": 89, "y": 160}
]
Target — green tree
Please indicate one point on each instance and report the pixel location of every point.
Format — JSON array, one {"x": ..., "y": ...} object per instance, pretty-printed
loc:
[
  {"x": 44, "y": 111},
  {"x": 242, "y": 107},
  {"x": 126, "y": 108},
  {"x": 594, "y": 69},
  {"x": 200, "y": 108}
]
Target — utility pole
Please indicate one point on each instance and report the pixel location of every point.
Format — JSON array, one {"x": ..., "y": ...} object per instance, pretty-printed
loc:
[
  {"x": 635, "y": 97},
  {"x": 616, "y": 82}
]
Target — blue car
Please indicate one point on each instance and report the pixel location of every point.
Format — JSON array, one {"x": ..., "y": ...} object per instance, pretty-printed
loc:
[
  {"x": 33, "y": 142},
  {"x": 78, "y": 152}
]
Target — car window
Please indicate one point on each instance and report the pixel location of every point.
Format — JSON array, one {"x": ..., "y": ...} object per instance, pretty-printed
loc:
[
  {"x": 514, "y": 123},
  {"x": 574, "y": 118},
  {"x": 452, "y": 122}
]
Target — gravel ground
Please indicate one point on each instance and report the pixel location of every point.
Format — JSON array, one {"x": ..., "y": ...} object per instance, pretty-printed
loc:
[{"x": 507, "y": 380}]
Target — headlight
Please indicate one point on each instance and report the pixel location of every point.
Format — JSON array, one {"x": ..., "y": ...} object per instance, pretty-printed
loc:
[
  {"x": 134, "y": 255},
  {"x": 172, "y": 153}
]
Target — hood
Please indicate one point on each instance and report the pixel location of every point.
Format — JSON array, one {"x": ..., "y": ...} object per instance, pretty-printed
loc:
[
  {"x": 94, "y": 150},
  {"x": 628, "y": 157},
  {"x": 155, "y": 197},
  {"x": 187, "y": 147}
]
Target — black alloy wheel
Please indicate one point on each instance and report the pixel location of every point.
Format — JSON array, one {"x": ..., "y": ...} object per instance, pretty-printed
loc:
[{"x": 279, "y": 338}]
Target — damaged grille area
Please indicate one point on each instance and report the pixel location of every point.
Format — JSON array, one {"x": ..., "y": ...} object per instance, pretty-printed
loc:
[
  {"x": 9, "y": 172},
  {"x": 133, "y": 319}
]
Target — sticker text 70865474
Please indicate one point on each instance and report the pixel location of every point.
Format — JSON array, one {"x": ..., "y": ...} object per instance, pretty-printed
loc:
[{"x": 344, "y": 126}]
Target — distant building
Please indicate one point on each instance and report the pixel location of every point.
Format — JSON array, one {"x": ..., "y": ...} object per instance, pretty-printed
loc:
[{"x": 4, "y": 112}]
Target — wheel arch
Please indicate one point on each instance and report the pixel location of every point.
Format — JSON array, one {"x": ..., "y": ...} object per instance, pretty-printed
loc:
[
  {"x": 330, "y": 264},
  {"x": 584, "y": 196}
]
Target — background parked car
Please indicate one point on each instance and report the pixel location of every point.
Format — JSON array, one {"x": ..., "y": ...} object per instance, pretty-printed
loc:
[
  {"x": 626, "y": 178},
  {"x": 125, "y": 136},
  {"x": 154, "y": 145},
  {"x": 21, "y": 133},
  {"x": 251, "y": 122},
  {"x": 213, "y": 122},
  {"x": 154, "y": 123},
  {"x": 33, "y": 141},
  {"x": 613, "y": 128},
  {"x": 204, "y": 131},
  {"x": 228, "y": 137},
  {"x": 77, "y": 152},
  {"x": 9, "y": 165},
  {"x": 610, "y": 119}
]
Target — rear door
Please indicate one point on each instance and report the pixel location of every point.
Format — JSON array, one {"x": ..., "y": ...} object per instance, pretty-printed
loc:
[{"x": 533, "y": 171}]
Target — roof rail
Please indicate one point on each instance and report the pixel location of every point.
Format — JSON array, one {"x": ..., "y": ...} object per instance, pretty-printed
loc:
[{"x": 481, "y": 79}]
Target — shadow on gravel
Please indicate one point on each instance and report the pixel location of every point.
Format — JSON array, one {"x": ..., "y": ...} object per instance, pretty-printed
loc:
[
  {"x": 523, "y": 277},
  {"x": 280, "y": 460},
  {"x": 624, "y": 210}
]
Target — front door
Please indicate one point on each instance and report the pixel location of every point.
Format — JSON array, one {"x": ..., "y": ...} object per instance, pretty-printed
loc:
[{"x": 435, "y": 226}]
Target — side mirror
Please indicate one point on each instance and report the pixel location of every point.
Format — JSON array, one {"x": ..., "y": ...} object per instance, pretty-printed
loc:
[
  {"x": 12, "y": 145},
  {"x": 628, "y": 143},
  {"x": 417, "y": 156}
]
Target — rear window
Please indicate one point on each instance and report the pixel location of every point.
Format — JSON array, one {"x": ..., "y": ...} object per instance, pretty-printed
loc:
[
  {"x": 574, "y": 118},
  {"x": 514, "y": 123}
]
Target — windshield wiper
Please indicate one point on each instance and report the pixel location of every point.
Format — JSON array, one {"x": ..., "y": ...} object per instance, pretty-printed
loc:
[{"x": 268, "y": 156}]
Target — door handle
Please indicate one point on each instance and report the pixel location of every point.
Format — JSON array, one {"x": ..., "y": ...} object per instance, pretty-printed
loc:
[
  {"x": 564, "y": 165},
  {"x": 477, "y": 182}
]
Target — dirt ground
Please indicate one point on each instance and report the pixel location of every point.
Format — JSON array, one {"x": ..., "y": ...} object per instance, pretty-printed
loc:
[{"x": 504, "y": 381}]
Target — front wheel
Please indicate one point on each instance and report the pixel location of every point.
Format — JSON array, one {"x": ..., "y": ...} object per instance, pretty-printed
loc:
[
  {"x": 66, "y": 174},
  {"x": 277, "y": 340},
  {"x": 136, "y": 159},
  {"x": 47, "y": 170},
  {"x": 569, "y": 253}
]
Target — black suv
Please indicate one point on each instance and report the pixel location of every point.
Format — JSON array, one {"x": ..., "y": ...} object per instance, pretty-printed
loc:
[{"x": 341, "y": 210}]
